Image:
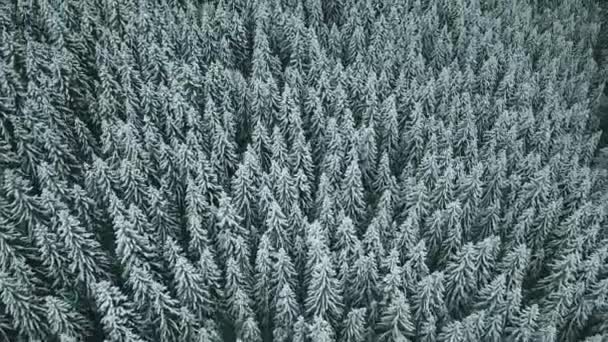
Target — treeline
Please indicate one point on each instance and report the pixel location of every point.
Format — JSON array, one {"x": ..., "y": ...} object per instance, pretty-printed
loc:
[{"x": 301, "y": 170}]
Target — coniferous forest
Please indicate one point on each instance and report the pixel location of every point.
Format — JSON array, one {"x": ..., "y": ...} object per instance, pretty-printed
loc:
[{"x": 302, "y": 171}]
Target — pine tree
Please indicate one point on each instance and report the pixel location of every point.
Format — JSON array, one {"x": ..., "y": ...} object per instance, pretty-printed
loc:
[
  {"x": 249, "y": 331},
  {"x": 460, "y": 279},
  {"x": 443, "y": 193},
  {"x": 159, "y": 157},
  {"x": 352, "y": 191},
  {"x": 321, "y": 330},
  {"x": 525, "y": 325},
  {"x": 558, "y": 288},
  {"x": 22, "y": 206},
  {"x": 223, "y": 153},
  {"x": 417, "y": 199},
  {"x": 228, "y": 227},
  {"x": 514, "y": 265},
  {"x": 193, "y": 290},
  {"x": 153, "y": 299},
  {"x": 372, "y": 240},
  {"x": 396, "y": 322},
  {"x": 85, "y": 255},
  {"x": 162, "y": 219},
  {"x": 406, "y": 236},
  {"x": 429, "y": 305},
  {"x": 119, "y": 320},
  {"x": 276, "y": 225},
  {"x": 347, "y": 240},
  {"x": 416, "y": 265},
  {"x": 211, "y": 274},
  {"x": 278, "y": 148},
  {"x": 236, "y": 294},
  {"x": 390, "y": 127},
  {"x": 261, "y": 144},
  {"x": 300, "y": 330},
  {"x": 283, "y": 272},
  {"x": 131, "y": 181},
  {"x": 262, "y": 287},
  {"x": 384, "y": 178},
  {"x": 245, "y": 185},
  {"x": 286, "y": 313},
  {"x": 54, "y": 261},
  {"x": 133, "y": 246},
  {"x": 24, "y": 306},
  {"x": 300, "y": 156},
  {"x": 354, "y": 326},
  {"x": 333, "y": 155},
  {"x": 64, "y": 320},
  {"x": 323, "y": 298}
]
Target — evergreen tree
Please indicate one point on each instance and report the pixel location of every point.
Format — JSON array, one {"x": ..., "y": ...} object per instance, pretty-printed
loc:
[
  {"x": 228, "y": 228},
  {"x": 429, "y": 305},
  {"x": 236, "y": 294},
  {"x": 249, "y": 331},
  {"x": 245, "y": 184},
  {"x": 119, "y": 320},
  {"x": 283, "y": 272},
  {"x": 352, "y": 197},
  {"x": 323, "y": 297},
  {"x": 396, "y": 322},
  {"x": 211, "y": 274},
  {"x": 153, "y": 299},
  {"x": 24, "y": 306},
  {"x": 133, "y": 246},
  {"x": 347, "y": 240},
  {"x": 194, "y": 291},
  {"x": 263, "y": 270},
  {"x": 276, "y": 225},
  {"x": 321, "y": 330},
  {"x": 302, "y": 171},
  {"x": 64, "y": 320},
  {"x": 365, "y": 279},
  {"x": 416, "y": 265},
  {"x": 525, "y": 325},
  {"x": 285, "y": 314},
  {"x": 354, "y": 326},
  {"x": 85, "y": 255},
  {"x": 384, "y": 177}
]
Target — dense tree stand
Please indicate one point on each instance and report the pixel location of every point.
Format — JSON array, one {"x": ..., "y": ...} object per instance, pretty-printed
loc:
[{"x": 301, "y": 171}]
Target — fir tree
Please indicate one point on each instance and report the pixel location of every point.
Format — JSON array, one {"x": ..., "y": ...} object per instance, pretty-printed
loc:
[
  {"x": 354, "y": 326},
  {"x": 283, "y": 272},
  {"x": 352, "y": 197},
  {"x": 119, "y": 320},
  {"x": 193, "y": 290},
  {"x": 86, "y": 257},
  {"x": 262, "y": 288},
  {"x": 323, "y": 298},
  {"x": 396, "y": 322},
  {"x": 302, "y": 171},
  {"x": 25, "y": 307},
  {"x": 153, "y": 299},
  {"x": 285, "y": 313},
  {"x": 321, "y": 330},
  {"x": 276, "y": 225},
  {"x": 64, "y": 320}
]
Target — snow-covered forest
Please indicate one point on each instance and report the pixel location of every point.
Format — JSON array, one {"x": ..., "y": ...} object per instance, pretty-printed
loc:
[{"x": 302, "y": 171}]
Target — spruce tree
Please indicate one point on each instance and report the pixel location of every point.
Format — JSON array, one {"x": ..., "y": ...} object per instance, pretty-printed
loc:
[
  {"x": 323, "y": 297},
  {"x": 396, "y": 322},
  {"x": 302, "y": 171},
  {"x": 119, "y": 320},
  {"x": 354, "y": 326}
]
